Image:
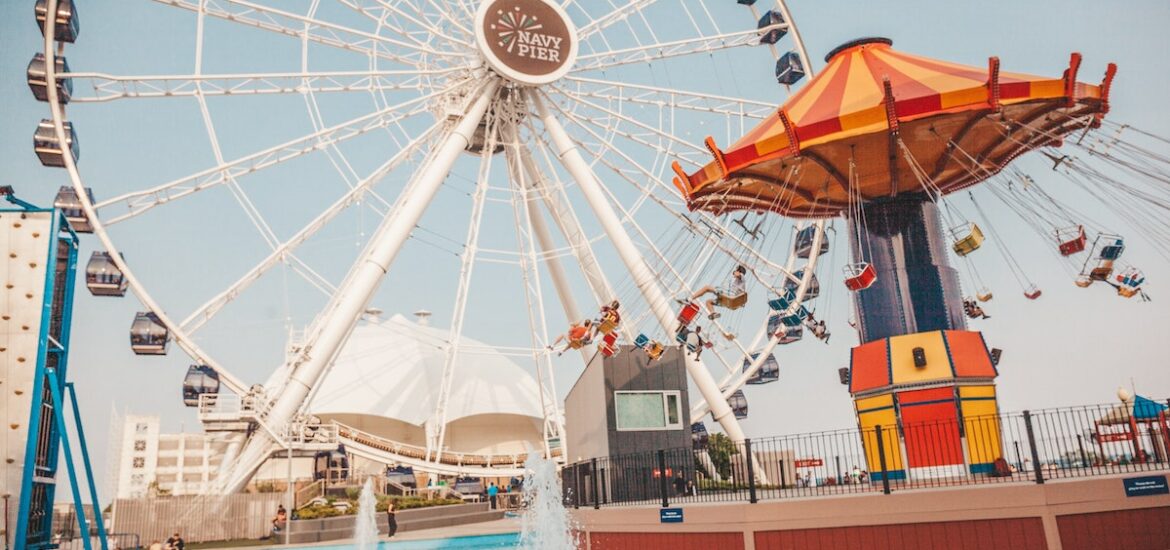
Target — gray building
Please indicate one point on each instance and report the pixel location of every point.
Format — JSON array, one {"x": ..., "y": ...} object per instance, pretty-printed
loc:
[{"x": 623, "y": 410}]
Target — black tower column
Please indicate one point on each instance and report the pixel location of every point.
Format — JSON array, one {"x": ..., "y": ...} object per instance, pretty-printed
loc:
[{"x": 917, "y": 290}]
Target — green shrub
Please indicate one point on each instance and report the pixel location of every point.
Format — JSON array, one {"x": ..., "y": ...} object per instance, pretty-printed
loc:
[{"x": 318, "y": 511}]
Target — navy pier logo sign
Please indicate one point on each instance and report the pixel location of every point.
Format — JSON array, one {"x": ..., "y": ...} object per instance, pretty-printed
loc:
[{"x": 670, "y": 515}]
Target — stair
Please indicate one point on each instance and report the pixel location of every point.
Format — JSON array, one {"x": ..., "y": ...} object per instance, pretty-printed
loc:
[{"x": 320, "y": 530}]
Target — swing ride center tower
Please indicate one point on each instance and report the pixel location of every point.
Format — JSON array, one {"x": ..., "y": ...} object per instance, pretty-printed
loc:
[{"x": 879, "y": 137}]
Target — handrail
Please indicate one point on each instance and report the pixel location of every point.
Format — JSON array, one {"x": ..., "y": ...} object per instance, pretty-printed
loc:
[{"x": 445, "y": 457}]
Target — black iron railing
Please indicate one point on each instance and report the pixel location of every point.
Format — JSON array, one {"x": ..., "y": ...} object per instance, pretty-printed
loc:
[{"x": 1024, "y": 447}]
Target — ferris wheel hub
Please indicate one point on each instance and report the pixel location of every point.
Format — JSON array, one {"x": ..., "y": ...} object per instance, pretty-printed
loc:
[{"x": 530, "y": 42}]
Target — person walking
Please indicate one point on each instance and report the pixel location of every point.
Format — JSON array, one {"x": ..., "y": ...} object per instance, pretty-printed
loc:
[
  {"x": 391, "y": 519},
  {"x": 492, "y": 493}
]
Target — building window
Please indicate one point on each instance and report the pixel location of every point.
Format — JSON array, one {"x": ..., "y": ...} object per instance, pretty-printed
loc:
[
  {"x": 137, "y": 479},
  {"x": 139, "y": 445},
  {"x": 141, "y": 428},
  {"x": 648, "y": 410},
  {"x": 139, "y": 462}
]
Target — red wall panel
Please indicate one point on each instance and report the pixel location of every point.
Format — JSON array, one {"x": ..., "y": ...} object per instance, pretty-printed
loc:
[
  {"x": 932, "y": 434},
  {"x": 666, "y": 541},
  {"x": 1000, "y": 534},
  {"x": 1147, "y": 528}
]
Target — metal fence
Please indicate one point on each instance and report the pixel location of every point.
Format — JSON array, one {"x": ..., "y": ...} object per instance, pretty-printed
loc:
[
  {"x": 197, "y": 518},
  {"x": 1025, "y": 447}
]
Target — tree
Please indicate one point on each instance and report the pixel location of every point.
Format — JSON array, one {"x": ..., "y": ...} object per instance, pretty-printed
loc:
[{"x": 721, "y": 448}]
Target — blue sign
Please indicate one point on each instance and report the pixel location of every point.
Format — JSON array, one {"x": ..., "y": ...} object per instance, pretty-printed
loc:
[
  {"x": 1138, "y": 486},
  {"x": 674, "y": 515}
]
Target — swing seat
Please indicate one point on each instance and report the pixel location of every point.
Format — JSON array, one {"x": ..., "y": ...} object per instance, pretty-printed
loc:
[
  {"x": 984, "y": 296},
  {"x": 1072, "y": 240},
  {"x": 608, "y": 325},
  {"x": 1083, "y": 281},
  {"x": 1102, "y": 271},
  {"x": 641, "y": 341},
  {"x": 783, "y": 302},
  {"x": 731, "y": 302},
  {"x": 576, "y": 344},
  {"x": 688, "y": 313},
  {"x": 1032, "y": 293},
  {"x": 1113, "y": 250},
  {"x": 1127, "y": 291},
  {"x": 654, "y": 351},
  {"x": 1131, "y": 277},
  {"x": 860, "y": 276},
  {"x": 968, "y": 238},
  {"x": 609, "y": 345}
]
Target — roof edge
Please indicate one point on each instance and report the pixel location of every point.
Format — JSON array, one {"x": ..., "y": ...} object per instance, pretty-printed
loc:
[{"x": 858, "y": 42}]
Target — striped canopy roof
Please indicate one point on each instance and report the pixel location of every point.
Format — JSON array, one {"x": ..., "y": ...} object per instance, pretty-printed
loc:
[{"x": 878, "y": 122}]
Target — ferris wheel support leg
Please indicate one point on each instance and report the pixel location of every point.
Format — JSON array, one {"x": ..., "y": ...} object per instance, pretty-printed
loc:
[
  {"x": 354, "y": 296},
  {"x": 643, "y": 276}
]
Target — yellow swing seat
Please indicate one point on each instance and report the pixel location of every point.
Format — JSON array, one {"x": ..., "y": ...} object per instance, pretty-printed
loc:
[
  {"x": 731, "y": 302},
  {"x": 968, "y": 238}
]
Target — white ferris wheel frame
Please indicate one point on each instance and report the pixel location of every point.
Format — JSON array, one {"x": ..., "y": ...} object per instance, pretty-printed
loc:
[{"x": 351, "y": 298}]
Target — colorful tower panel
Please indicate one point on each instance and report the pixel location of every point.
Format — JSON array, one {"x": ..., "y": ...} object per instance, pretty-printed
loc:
[{"x": 933, "y": 395}]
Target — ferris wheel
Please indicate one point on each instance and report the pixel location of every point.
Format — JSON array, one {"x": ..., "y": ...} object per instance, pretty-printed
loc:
[{"x": 363, "y": 140}]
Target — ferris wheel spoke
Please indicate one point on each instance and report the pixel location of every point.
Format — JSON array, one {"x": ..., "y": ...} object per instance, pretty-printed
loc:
[
  {"x": 138, "y": 202},
  {"x": 298, "y": 26},
  {"x": 692, "y": 153},
  {"x": 393, "y": 9},
  {"x": 712, "y": 229},
  {"x": 463, "y": 290},
  {"x": 614, "y": 91},
  {"x": 106, "y": 87},
  {"x": 666, "y": 50},
  {"x": 615, "y": 16}
]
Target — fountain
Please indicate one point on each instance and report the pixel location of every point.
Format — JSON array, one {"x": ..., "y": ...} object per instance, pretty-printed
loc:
[
  {"x": 365, "y": 531},
  {"x": 545, "y": 524}
]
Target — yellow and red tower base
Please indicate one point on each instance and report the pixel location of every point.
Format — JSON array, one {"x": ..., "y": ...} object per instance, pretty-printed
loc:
[{"x": 933, "y": 395}]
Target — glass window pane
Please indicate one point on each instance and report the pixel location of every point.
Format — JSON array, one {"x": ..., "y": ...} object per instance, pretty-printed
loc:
[
  {"x": 672, "y": 409},
  {"x": 639, "y": 410}
]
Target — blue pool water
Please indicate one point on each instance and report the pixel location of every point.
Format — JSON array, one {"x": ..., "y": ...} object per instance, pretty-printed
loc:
[{"x": 504, "y": 540}]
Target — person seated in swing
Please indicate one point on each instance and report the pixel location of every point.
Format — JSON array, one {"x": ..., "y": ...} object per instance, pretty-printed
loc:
[
  {"x": 817, "y": 327},
  {"x": 609, "y": 318},
  {"x": 579, "y": 334},
  {"x": 973, "y": 310},
  {"x": 693, "y": 340},
  {"x": 736, "y": 289}
]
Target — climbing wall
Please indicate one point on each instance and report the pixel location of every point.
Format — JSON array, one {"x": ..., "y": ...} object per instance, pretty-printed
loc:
[{"x": 27, "y": 242}]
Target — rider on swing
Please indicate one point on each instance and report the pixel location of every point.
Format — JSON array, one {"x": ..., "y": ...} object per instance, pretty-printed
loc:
[{"x": 736, "y": 287}]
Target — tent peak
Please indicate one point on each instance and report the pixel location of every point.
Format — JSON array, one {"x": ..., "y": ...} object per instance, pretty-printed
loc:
[{"x": 857, "y": 42}]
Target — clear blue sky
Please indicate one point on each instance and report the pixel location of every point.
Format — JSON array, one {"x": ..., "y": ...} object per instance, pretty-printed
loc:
[{"x": 1073, "y": 346}]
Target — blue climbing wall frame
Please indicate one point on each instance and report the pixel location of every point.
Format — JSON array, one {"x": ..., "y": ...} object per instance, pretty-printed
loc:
[{"x": 47, "y": 421}]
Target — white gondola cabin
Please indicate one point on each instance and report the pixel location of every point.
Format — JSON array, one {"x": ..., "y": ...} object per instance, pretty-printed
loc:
[
  {"x": 67, "y": 24},
  {"x": 739, "y": 404},
  {"x": 789, "y": 334},
  {"x": 48, "y": 150},
  {"x": 38, "y": 80},
  {"x": 769, "y": 370},
  {"x": 331, "y": 466},
  {"x": 789, "y": 69},
  {"x": 860, "y": 276},
  {"x": 148, "y": 335},
  {"x": 811, "y": 291},
  {"x": 70, "y": 204},
  {"x": 699, "y": 436},
  {"x": 102, "y": 277},
  {"x": 804, "y": 242},
  {"x": 770, "y": 18},
  {"x": 200, "y": 380}
]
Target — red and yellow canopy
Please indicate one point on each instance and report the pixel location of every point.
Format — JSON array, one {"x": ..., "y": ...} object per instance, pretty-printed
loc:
[{"x": 878, "y": 122}]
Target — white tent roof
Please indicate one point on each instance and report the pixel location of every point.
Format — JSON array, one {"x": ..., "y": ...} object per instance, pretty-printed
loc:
[{"x": 393, "y": 368}]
